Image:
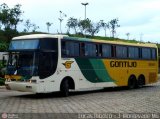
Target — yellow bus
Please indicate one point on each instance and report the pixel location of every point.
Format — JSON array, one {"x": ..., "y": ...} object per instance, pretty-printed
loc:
[{"x": 43, "y": 63}]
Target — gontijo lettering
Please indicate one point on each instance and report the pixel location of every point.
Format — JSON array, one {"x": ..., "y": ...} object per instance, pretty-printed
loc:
[{"x": 123, "y": 64}]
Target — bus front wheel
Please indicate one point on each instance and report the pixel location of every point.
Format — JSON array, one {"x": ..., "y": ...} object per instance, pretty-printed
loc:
[
  {"x": 132, "y": 82},
  {"x": 64, "y": 88}
]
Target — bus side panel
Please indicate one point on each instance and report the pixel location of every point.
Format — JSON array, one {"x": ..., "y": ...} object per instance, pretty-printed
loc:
[{"x": 121, "y": 70}]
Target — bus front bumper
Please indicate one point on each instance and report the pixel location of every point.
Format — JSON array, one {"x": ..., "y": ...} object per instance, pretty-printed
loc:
[{"x": 21, "y": 86}]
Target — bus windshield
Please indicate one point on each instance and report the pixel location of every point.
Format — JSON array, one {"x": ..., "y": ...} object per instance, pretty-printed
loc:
[
  {"x": 24, "y": 64},
  {"x": 33, "y": 57},
  {"x": 24, "y": 44}
]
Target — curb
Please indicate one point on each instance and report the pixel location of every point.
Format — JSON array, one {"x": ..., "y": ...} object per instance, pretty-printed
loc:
[{"x": 2, "y": 87}]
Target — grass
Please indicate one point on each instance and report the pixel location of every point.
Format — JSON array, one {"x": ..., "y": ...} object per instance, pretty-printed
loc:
[{"x": 104, "y": 38}]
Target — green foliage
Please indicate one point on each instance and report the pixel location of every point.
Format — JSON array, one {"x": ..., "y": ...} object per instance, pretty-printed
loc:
[
  {"x": 158, "y": 45},
  {"x": 105, "y": 26},
  {"x": 2, "y": 81},
  {"x": 3, "y": 47},
  {"x": 93, "y": 28},
  {"x": 48, "y": 26},
  {"x": 10, "y": 17},
  {"x": 113, "y": 24},
  {"x": 72, "y": 23},
  {"x": 104, "y": 38},
  {"x": 3, "y": 42},
  {"x": 10, "y": 33}
]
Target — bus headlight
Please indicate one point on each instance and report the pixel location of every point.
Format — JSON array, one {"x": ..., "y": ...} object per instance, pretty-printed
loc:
[{"x": 33, "y": 81}]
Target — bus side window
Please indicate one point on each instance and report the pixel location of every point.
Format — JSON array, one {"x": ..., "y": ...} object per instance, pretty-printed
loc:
[
  {"x": 64, "y": 52},
  {"x": 153, "y": 52},
  {"x": 106, "y": 50},
  {"x": 146, "y": 53}
]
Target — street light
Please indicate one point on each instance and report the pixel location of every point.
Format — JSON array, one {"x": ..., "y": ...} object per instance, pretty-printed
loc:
[
  {"x": 62, "y": 15},
  {"x": 85, "y": 4}
]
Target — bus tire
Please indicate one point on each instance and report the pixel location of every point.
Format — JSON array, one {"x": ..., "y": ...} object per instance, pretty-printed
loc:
[
  {"x": 132, "y": 82},
  {"x": 141, "y": 81},
  {"x": 64, "y": 88}
]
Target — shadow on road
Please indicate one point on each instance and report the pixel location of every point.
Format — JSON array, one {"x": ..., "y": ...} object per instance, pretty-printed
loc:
[{"x": 76, "y": 93}]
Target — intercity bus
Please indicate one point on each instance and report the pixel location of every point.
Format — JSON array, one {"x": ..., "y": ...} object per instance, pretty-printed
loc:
[{"x": 43, "y": 63}]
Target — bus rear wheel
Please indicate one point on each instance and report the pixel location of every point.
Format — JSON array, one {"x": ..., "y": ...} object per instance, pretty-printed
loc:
[
  {"x": 64, "y": 90},
  {"x": 141, "y": 81},
  {"x": 132, "y": 82}
]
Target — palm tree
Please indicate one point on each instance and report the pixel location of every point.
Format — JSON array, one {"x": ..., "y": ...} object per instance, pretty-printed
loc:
[
  {"x": 127, "y": 34},
  {"x": 113, "y": 25},
  {"x": 105, "y": 26},
  {"x": 48, "y": 25}
]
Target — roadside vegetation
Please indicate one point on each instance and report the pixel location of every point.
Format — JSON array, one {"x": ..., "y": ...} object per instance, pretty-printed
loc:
[{"x": 11, "y": 18}]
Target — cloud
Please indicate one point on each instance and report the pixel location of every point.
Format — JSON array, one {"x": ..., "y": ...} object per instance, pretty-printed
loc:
[{"x": 135, "y": 16}]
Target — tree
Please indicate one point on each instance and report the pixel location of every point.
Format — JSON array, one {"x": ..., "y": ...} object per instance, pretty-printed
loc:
[
  {"x": 84, "y": 25},
  {"x": 35, "y": 27},
  {"x": 5, "y": 16},
  {"x": 72, "y": 23},
  {"x": 94, "y": 28},
  {"x": 16, "y": 11},
  {"x": 113, "y": 24},
  {"x": 48, "y": 25},
  {"x": 127, "y": 34},
  {"x": 10, "y": 17},
  {"x": 105, "y": 26},
  {"x": 28, "y": 25}
]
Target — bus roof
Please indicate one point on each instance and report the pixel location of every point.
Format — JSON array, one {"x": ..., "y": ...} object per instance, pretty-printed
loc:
[
  {"x": 112, "y": 42},
  {"x": 32, "y": 36},
  {"x": 66, "y": 37}
]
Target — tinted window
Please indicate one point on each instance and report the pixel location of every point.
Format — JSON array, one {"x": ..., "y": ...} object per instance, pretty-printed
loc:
[
  {"x": 49, "y": 44},
  {"x": 47, "y": 64},
  {"x": 106, "y": 50},
  {"x": 146, "y": 53},
  {"x": 90, "y": 49},
  {"x": 133, "y": 52},
  {"x": 154, "y": 54},
  {"x": 70, "y": 48},
  {"x": 24, "y": 44},
  {"x": 136, "y": 53},
  {"x": 121, "y": 52}
]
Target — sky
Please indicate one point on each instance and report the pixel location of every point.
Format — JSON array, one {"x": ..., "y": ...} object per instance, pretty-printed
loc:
[{"x": 140, "y": 18}]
